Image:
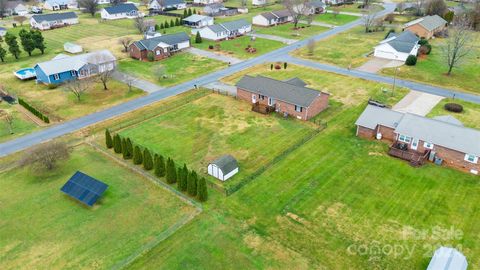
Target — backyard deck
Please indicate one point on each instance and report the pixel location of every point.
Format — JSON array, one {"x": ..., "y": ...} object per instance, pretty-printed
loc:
[{"x": 415, "y": 158}]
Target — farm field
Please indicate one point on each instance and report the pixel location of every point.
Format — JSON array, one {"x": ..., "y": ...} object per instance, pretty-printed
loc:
[
  {"x": 287, "y": 30},
  {"x": 179, "y": 68},
  {"x": 432, "y": 69},
  {"x": 349, "y": 47},
  {"x": 323, "y": 203},
  {"x": 339, "y": 19},
  {"x": 203, "y": 130},
  {"x": 43, "y": 228},
  {"x": 470, "y": 117},
  {"x": 236, "y": 47}
]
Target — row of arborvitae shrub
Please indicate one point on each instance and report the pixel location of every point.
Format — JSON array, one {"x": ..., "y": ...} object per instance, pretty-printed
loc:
[
  {"x": 34, "y": 111},
  {"x": 187, "y": 180}
]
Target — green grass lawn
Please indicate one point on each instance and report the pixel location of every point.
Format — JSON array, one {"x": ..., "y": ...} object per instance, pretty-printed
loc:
[
  {"x": 178, "y": 68},
  {"x": 199, "y": 132},
  {"x": 236, "y": 47},
  {"x": 21, "y": 124},
  {"x": 349, "y": 47},
  {"x": 287, "y": 30},
  {"x": 339, "y": 19},
  {"x": 354, "y": 8},
  {"x": 470, "y": 116},
  {"x": 336, "y": 191},
  {"x": 432, "y": 69},
  {"x": 43, "y": 228}
]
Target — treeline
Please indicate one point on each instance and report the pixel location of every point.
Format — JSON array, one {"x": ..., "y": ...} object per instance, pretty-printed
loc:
[
  {"x": 30, "y": 40},
  {"x": 187, "y": 180},
  {"x": 34, "y": 111}
]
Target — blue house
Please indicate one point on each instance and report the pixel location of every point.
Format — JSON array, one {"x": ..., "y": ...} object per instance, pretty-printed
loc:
[{"x": 64, "y": 68}]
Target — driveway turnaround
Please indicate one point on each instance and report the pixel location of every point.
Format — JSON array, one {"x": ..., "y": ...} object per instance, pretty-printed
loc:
[
  {"x": 214, "y": 56},
  {"x": 136, "y": 82},
  {"x": 272, "y": 37},
  {"x": 280, "y": 54},
  {"x": 417, "y": 103},
  {"x": 375, "y": 64}
]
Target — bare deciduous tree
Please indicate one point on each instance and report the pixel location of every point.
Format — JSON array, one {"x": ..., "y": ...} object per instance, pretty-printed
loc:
[
  {"x": 419, "y": 5},
  {"x": 104, "y": 77},
  {"x": 160, "y": 72},
  {"x": 125, "y": 42},
  {"x": 89, "y": 6},
  {"x": 311, "y": 46},
  {"x": 46, "y": 156},
  {"x": 401, "y": 7},
  {"x": 8, "y": 118},
  {"x": 458, "y": 45},
  {"x": 20, "y": 19},
  {"x": 297, "y": 8},
  {"x": 140, "y": 24},
  {"x": 368, "y": 19},
  {"x": 78, "y": 87},
  {"x": 335, "y": 11},
  {"x": 436, "y": 7}
]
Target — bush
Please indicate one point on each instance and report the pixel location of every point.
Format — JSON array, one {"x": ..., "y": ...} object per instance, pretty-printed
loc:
[
  {"x": 202, "y": 190},
  {"x": 171, "y": 176},
  {"x": 210, "y": 47},
  {"x": 285, "y": 65},
  {"x": 117, "y": 144},
  {"x": 192, "y": 183},
  {"x": 137, "y": 155},
  {"x": 453, "y": 107},
  {"x": 150, "y": 56},
  {"x": 108, "y": 139},
  {"x": 52, "y": 86},
  {"x": 422, "y": 42},
  {"x": 147, "y": 160},
  {"x": 34, "y": 111},
  {"x": 411, "y": 60},
  {"x": 277, "y": 66},
  {"x": 159, "y": 166}
]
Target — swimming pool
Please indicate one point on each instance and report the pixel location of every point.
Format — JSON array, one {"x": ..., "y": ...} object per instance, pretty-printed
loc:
[{"x": 25, "y": 74}]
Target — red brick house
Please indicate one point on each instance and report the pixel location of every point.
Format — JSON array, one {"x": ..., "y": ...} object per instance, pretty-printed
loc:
[
  {"x": 159, "y": 47},
  {"x": 440, "y": 138},
  {"x": 427, "y": 26},
  {"x": 290, "y": 96}
]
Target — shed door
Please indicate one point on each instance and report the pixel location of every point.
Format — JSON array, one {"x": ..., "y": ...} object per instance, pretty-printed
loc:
[{"x": 215, "y": 171}]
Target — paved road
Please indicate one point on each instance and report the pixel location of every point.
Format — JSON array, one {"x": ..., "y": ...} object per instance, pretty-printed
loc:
[
  {"x": 136, "y": 82},
  {"x": 214, "y": 56},
  {"x": 279, "y": 54},
  {"x": 425, "y": 88}
]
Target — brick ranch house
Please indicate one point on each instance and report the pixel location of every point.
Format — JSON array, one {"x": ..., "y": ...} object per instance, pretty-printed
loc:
[
  {"x": 290, "y": 96},
  {"x": 442, "y": 137},
  {"x": 159, "y": 47},
  {"x": 427, "y": 26}
]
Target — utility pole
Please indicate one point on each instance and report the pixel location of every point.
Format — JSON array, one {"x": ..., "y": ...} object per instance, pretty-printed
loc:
[{"x": 394, "y": 80}]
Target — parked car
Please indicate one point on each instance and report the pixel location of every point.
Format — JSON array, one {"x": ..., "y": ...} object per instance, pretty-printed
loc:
[{"x": 36, "y": 10}]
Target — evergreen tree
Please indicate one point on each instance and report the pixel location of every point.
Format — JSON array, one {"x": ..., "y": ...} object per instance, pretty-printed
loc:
[
  {"x": 147, "y": 160},
  {"x": 137, "y": 155},
  {"x": 198, "y": 38},
  {"x": 129, "y": 146},
  {"x": 108, "y": 139},
  {"x": 160, "y": 166},
  {"x": 189, "y": 13},
  {"x": 3, "y": 52},
  {"x": 177, "y": 21},
  {"x": 38, "y": 40},
  {"x": 285, "y": 65},
  {"x": 192, "y": 183},
  {"x": 202, "y": 191},
  {"x": 166, "y": 25},
  {"x": 172, "y": 23},
  {"x": 171, "y": 172},
  {"x": 27, "y": 41},
  {"x": 179, "y": 178},
  {"x": 12, "y": 43},
  {"x": 117, "y": 144},
  {"x": 161, "y": 25},
  {"x": 185, "y": 14},
  {"x": 183, "y": 180},
  {"x": 124, "y": 148},
  {"x": 194, "y": 11}
]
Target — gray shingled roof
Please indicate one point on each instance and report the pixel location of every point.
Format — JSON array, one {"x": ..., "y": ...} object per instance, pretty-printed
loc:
[
  {"x": 216, "y": 28},
  {"x": 226, "y": 163},
  {"x": 171, "y": 39},
  {"x": 282, "y": 13},
  {"x": 173, "y": 2},
  {"x": 64, "y": 63},
  {"x": 196, "y": 18},
  {"x": 269, "y": 16},
  {"x": 316, "y": 4},
  {"x": 429, "y": 22},
  {"x": 404, "y": 42},
  {"x": 284, "y": 91},
  {"x": 121, "y": 8},
  {"x": 373, "y": 116},
  {"x": 235, "y": 25},
  {"x": 296, "y": 81},
  {"x": 449, "y": 119},
  {"x": 54, "y": 16},
  {"x": 452, "y": 136}
]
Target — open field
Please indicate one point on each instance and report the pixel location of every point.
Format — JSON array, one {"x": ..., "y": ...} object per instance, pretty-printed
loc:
[
  {"x": 236, "y": 47},
  {"x": 355, "y": 8},
  {"x": 339, "y": 19},
  {"x": 432, "y": 69},
  {"x": 202, "y": 130},
  {"x": 470, "y": 116},
  {"x": 344, "y": 49},
  {"x": 287, "y": 30},
  {"x": 43, "y": 228},
  {"x": 21, "y": 124},
  {"x": 321, "y": 205},
  {"x": 179, "y": 68}
]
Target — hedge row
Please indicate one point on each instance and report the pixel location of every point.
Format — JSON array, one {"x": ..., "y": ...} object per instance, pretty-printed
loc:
[
  {"x": 187, "y": 180},
  {"x": 34, "y": 111}
]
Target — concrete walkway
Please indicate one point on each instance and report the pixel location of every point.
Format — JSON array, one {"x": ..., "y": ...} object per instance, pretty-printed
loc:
[
  {"x": 214, "y": 56},
  {"x": 273, "y": 37},
  {"x": 319, "y": 24},
  {"x": 417, "y": 103},
  {"x": 376, "y": 64},
  {"x": 136, "y": 82}
]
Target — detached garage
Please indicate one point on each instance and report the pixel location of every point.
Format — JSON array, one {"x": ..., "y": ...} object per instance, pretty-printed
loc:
[{"x": 223, "y": 167}]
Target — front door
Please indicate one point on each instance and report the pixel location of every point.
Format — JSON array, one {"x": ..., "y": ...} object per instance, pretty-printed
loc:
[
  {"x": 254, "y": 98},
  {"x": 414, "y": 144},
  {"x": 271, "y": 101}
]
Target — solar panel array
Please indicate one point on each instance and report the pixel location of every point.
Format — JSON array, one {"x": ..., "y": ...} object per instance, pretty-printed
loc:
[{"x": 84, "y": 188}]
